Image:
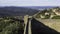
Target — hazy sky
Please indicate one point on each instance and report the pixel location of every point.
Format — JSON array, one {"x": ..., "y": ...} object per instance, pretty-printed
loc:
[{"x": 29, "y": 2}]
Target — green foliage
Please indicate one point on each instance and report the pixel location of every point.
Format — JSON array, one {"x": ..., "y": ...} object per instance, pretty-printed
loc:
[
  {"x": 56, "y": 17},
  {"x": 38, "y": 16},
  {"x": 9, "y": 26},
  {"x": 47, "y": 17}
]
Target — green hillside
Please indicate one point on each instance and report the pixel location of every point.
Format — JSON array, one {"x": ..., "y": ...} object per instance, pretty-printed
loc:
[
  {"x": 52, "y": 13},
  {"x": 10, "y": 25}
]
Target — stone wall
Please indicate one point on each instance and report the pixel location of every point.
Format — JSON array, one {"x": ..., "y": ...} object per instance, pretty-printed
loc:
[{"x": 52, "y": 23}]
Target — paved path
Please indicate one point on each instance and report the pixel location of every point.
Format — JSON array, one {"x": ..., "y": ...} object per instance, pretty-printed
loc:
[{"x": 27, "y": 29}]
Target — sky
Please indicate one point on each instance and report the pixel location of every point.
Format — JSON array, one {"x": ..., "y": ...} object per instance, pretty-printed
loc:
[{"x": 29, "y": 2}]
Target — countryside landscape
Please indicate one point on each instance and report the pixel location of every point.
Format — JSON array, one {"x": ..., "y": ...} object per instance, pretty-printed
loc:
[{"x": 33, "y": 20}]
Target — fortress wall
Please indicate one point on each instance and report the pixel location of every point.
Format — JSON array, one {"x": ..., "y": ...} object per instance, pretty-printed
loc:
[{"x": 52, "y": 23}]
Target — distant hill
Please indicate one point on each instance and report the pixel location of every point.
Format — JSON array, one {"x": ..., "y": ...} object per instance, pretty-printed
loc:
[
  {"x": 41, "y": 7},
  {"x": 16, "y": 11},
  {"x": 52, "y": 13}
]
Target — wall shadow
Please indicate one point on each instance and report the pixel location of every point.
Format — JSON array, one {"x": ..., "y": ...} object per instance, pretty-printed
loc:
[{"x": 40, "y": 28}]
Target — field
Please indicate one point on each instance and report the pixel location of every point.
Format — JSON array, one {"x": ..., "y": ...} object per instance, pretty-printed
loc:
[{"x": 52, "y": 23}]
